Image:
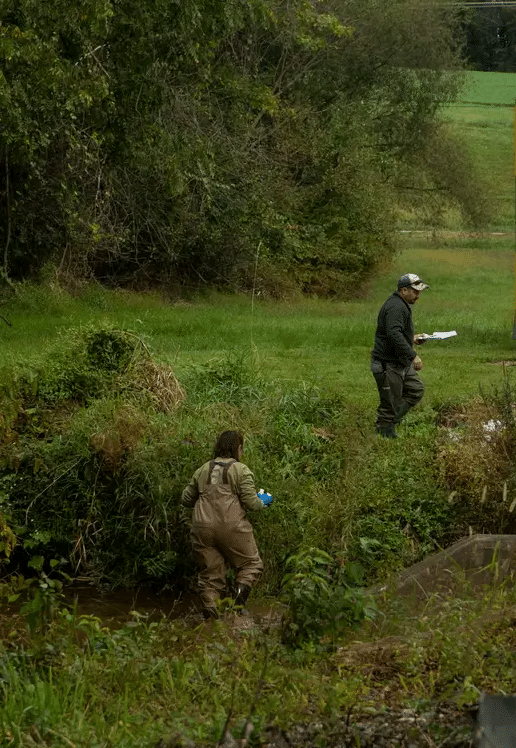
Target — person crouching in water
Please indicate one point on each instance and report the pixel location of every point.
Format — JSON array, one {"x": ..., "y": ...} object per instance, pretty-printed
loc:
[{"x": 220, "y": 492}]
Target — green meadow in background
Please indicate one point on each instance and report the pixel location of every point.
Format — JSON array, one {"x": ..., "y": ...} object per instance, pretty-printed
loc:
[
  {"x": 315, "y": 341},
  {"x": 484, "y": 116}
]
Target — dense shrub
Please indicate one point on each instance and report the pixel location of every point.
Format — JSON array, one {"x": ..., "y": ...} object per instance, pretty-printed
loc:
[
  {"x": 78, "y": 479},
  {"x": 93, "y": 461},
  {"x": 288, "y": 130},
  {"x": 324, "y": 598}
]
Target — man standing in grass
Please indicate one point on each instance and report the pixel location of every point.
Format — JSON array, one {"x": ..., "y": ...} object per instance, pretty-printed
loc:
[{"x": 394, "y": 362}]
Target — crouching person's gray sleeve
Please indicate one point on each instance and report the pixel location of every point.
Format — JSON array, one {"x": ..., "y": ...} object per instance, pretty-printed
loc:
[
  {"x": 245, "y": 488},
  {"x": 191, "y": 492}
]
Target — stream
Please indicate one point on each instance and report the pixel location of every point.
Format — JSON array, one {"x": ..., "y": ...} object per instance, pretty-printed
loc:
[{"x": 115, "y": 607}]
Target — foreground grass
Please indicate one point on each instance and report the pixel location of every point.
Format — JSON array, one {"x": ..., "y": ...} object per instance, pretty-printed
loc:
[{"x": 161, "y": 683}]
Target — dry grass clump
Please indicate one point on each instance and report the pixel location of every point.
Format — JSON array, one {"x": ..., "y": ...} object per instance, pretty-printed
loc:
[
  {"x": 380, "y": 659},
  {"x": 157, "y": 382},
  {"x": 120, "y": 437},
  {"x": 476, "y": 453}
]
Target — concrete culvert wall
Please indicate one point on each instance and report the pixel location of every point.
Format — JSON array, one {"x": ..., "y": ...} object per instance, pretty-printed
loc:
[{"x": 467, "y": 566}]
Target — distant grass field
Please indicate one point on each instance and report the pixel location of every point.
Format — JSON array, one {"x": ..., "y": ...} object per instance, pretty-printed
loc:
[
  {"x": 315, "y": 341},
  {"x": 489, "y": 88},
  {"x": 484, "y": 114}
]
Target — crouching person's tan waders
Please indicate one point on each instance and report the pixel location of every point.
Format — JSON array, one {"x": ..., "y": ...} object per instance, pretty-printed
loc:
[{"x": 222, "y": 535}]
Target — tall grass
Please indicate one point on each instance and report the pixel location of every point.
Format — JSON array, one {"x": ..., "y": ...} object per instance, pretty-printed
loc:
[{"x": 143, "y": 683}]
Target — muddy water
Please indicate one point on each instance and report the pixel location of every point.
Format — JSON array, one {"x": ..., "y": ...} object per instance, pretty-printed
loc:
[{"x": 117, "y": 607}]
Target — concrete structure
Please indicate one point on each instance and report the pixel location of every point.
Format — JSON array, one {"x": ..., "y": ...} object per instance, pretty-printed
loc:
[{"x": 471, "y": 564}]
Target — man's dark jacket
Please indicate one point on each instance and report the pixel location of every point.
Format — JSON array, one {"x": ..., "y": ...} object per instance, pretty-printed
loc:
[{"x": 394, "y": 335}]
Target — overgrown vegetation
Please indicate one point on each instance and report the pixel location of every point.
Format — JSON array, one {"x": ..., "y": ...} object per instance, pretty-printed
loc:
[
  {"x": 95, "y": 451},
  {"x": 98, "y": 441},
  {"x": 324, "y": 598},
  {"x": 67, "y": 678},
  {"x": 174, "y": 143},
  {"x": 477, "y": 453}
]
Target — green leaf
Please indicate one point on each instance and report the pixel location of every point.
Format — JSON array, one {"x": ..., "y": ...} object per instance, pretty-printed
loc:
[{"x": 36, "y": 562}]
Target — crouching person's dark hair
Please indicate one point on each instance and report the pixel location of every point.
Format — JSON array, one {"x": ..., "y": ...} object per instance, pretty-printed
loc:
[{"x": 228, "y": 443}]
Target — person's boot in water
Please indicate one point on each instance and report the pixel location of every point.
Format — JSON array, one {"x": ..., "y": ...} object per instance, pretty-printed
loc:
[{"x": 242, "y": 594}]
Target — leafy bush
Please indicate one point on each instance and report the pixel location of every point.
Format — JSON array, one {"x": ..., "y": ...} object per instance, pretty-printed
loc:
[
  {"x": 78, "y": 478},
  {"x": 93, "y": 472},
  {"x": 324, "y": 598}
]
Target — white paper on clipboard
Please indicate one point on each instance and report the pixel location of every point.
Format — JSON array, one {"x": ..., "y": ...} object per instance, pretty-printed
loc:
[{"x": 437, "y": 335}]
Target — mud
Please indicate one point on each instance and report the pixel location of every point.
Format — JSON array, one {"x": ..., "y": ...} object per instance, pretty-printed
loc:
[
  {"x": 442, "y": 725},
  {"x": 117, "y": 607}
]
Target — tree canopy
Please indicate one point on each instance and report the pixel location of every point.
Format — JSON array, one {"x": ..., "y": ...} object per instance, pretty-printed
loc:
[{"x": 173, "y": 141}]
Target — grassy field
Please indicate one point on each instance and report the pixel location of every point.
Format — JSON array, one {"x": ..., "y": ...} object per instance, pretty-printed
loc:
[
  {"x": 326, "y": 343},
  {"x": 489, "y": 89}
]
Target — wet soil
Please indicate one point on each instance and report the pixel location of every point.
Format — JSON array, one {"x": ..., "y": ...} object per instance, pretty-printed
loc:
[
  {"x": 117, "y": 607},
  {"x": 443, "y": 725}
]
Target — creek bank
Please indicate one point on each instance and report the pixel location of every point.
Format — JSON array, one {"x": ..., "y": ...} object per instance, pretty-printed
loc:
[
  {"x": 470, "y": 565},
  {"x": 444, "y": 725},
  {"x": 441, "y": 725}
]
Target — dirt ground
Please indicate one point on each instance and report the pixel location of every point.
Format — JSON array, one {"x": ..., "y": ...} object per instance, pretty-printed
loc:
[
  {"x": 444, "y": 726},
  {"x": 401, "y": 728}
]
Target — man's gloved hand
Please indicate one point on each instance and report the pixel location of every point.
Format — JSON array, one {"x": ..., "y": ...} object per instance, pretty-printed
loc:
[
  {"x": 417, "y": 363},
  {"x": 420, "y": 339},
  {"x": 265, "y": 497}
]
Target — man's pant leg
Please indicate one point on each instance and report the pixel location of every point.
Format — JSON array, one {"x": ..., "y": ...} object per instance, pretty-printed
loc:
[
  {"x": 412, "y": 392},
  {"x": 389, "y": 381},
  {"x": 400, "y": 389}
]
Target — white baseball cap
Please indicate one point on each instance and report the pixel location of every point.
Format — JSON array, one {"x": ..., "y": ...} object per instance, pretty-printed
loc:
[{"x": 412, "y": 280}]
